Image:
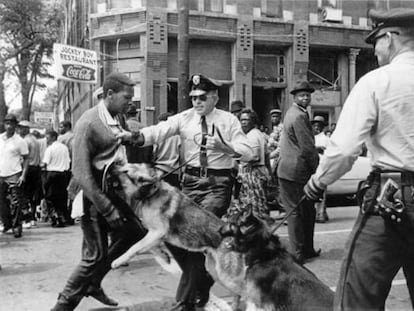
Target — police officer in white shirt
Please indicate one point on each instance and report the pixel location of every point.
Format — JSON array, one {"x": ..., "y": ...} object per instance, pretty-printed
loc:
[
  {"x": 379, "y": 111},
  {"x": 211, "y": 139}
]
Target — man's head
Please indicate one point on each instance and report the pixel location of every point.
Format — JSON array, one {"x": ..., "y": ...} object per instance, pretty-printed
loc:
[
  {"x": 302, "y": 93},
  {"x": 118, "y": 91},
  {"x": 275, "y": 116},
  {"x": 24, "y": 127},
  {"x": 203, "y": 93},
  {"x": 248, "y": 120},
  {"x": 236, "y": 108},
  {"x": 64, "y": 126},
  {"x": 10, "y": 123},
  {"x": 393, "y": 33},
  {"x": 132, "y": 110},
  {"x": 318, "y": 124},
  {"x": 51, "y": 136}
]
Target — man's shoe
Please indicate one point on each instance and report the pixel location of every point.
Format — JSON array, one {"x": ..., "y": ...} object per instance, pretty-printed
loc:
[
  {"x": 100, "y": 295},
  {"x": 6, "y": 229},
  {"x": 17, "y": 232},
  {"x": 314, "y": 254},
  {"x": 320, "y": 220},
  {"x": 183, "y": 306}
]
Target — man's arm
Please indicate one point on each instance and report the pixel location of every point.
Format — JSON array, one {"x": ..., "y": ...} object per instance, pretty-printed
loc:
[
  {"x": 83, "y": 148},
  {"x": 306, "y": 142}
]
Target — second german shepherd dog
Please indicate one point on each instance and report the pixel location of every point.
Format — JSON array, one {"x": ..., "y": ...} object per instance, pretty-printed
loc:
[{"x": 274, "y": 280}]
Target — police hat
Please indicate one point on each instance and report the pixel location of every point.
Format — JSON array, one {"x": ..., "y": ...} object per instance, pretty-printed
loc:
[
  {"x": 10, "y": 117},
  {"x": 200, "y": 85},
  {"x": 302, "y": 86},
  {"x": 236, "y": 106},
  {"x": 275, "y": 111},
  {"x": 398, "y": 17}
]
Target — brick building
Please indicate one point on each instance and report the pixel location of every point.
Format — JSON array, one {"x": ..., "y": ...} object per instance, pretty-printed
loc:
[{"x": 257, "y": 48}]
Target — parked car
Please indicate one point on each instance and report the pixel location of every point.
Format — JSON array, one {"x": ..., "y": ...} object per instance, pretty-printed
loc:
[{"x": 347, "y": 185}]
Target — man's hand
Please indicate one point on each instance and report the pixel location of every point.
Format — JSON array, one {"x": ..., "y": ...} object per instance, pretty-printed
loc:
[
  {"x": 21, "y": 181},
  {"x": 312, "y": 191},
  {"x": 124, "y": 136},
  {"x": 114, "y": 220},
  {"x": 217, "y": 142}
]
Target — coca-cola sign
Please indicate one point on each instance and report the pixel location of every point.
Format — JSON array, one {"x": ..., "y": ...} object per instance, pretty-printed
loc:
[
  {"x": 78, "y": 72},
  {"x": 75, "y": 64}
]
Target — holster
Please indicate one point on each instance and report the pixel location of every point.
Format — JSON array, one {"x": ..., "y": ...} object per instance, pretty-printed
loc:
[{"x": 384, "y": 193}]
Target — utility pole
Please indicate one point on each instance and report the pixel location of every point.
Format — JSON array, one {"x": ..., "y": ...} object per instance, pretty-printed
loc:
[{"x": 183, "y": 55}]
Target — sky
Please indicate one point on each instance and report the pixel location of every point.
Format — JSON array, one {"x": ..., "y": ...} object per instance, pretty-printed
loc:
[{"x": 12, "y": 92}]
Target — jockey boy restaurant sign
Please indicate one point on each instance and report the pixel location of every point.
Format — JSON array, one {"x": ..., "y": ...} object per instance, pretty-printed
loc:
[{"x": 75, "y": 64}]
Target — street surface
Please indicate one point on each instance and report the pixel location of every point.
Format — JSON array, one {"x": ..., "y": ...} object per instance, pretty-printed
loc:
[{"x": 36, "y": 267}]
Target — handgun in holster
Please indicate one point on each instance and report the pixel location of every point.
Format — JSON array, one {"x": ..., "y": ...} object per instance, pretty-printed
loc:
[{"x": 389, "y": 207}]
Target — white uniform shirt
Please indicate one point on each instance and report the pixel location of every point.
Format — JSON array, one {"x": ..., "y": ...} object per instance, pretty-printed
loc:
[
  {"x": 57, "y": 157},
  {"x": 379, "y": 111},
  {"x": 187, "y": 125},
  {"x": 11, "y": 151}
]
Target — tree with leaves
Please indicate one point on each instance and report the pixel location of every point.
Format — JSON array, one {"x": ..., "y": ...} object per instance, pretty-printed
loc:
[{"x": 28, "y": 29}]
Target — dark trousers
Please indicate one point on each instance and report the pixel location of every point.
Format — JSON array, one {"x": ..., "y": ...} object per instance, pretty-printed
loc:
[
  {"x": 375, "y": 251},
  {"x": 301, "y": 223},
  {"x": 214, "y": 194},
  {"x": 56, "y": 193},
  {"x": 32, "y": 189},
  {"x": 97, "y": 256},
  {"x": 12, "y": 201}
]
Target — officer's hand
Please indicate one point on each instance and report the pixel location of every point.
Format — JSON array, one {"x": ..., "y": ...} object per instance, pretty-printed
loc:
[
  {"x": 124, "y": 136},
  {"x": 312, "y": 191},
  {"x": 114, "y": 219}
]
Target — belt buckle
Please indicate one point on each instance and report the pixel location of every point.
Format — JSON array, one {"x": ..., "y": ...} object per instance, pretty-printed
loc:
[{"x": 203, "y": 172}]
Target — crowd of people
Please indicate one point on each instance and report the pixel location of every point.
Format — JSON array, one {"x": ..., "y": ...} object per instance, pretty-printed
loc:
[
  {"x": 34, "y": 175},
  {"x": 226, "y": 162}
]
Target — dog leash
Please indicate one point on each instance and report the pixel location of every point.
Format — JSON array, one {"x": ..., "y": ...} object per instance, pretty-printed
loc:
[
  {"x": 180, "y": 166},
  {"x": 288, "y": 214}
]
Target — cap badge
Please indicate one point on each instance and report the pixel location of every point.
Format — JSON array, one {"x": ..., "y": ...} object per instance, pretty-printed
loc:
[{"x": 196, "y": 80}]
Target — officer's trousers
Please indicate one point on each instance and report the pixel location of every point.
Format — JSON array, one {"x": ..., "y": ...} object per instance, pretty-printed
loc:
[{"x": 375, "y": 252}]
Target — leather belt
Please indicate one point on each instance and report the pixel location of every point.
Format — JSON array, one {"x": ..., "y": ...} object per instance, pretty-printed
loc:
[{"x": 206, "y": 172}]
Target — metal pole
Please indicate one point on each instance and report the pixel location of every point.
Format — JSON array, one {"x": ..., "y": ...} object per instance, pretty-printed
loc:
[{"x": 183, "y": 55}]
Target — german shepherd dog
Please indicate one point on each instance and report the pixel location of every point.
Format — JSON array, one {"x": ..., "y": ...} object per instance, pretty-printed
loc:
[
  {"x": 274, "y": 280},
  {"x": 170, "y": 216}
]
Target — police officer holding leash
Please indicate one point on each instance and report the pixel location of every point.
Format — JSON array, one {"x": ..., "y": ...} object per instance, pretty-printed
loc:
[{"x": 379, "y": 111}]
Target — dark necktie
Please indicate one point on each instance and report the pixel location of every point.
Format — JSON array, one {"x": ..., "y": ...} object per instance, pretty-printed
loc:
[{"x": 203, "y": 150}]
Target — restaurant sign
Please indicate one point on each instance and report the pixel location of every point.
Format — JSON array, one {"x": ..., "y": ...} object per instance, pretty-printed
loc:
[{"x": 75, "y": 64}]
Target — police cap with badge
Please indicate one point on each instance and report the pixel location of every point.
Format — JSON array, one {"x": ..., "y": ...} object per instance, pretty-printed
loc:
[
  {"x": 200, "y": 85},
  {"x": 389, "y": 21}
]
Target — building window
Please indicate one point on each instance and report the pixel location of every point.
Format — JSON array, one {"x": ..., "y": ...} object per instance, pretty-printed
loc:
[
  {"x": 269, "y": 68},
  {"x": 323, "y": 69}
]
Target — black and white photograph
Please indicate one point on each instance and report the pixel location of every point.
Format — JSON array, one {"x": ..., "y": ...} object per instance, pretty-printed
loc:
[{"x": 206, "y": 155}]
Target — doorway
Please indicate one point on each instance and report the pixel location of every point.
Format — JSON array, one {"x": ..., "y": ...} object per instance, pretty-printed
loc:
[{"x": 264, "y": 100}]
